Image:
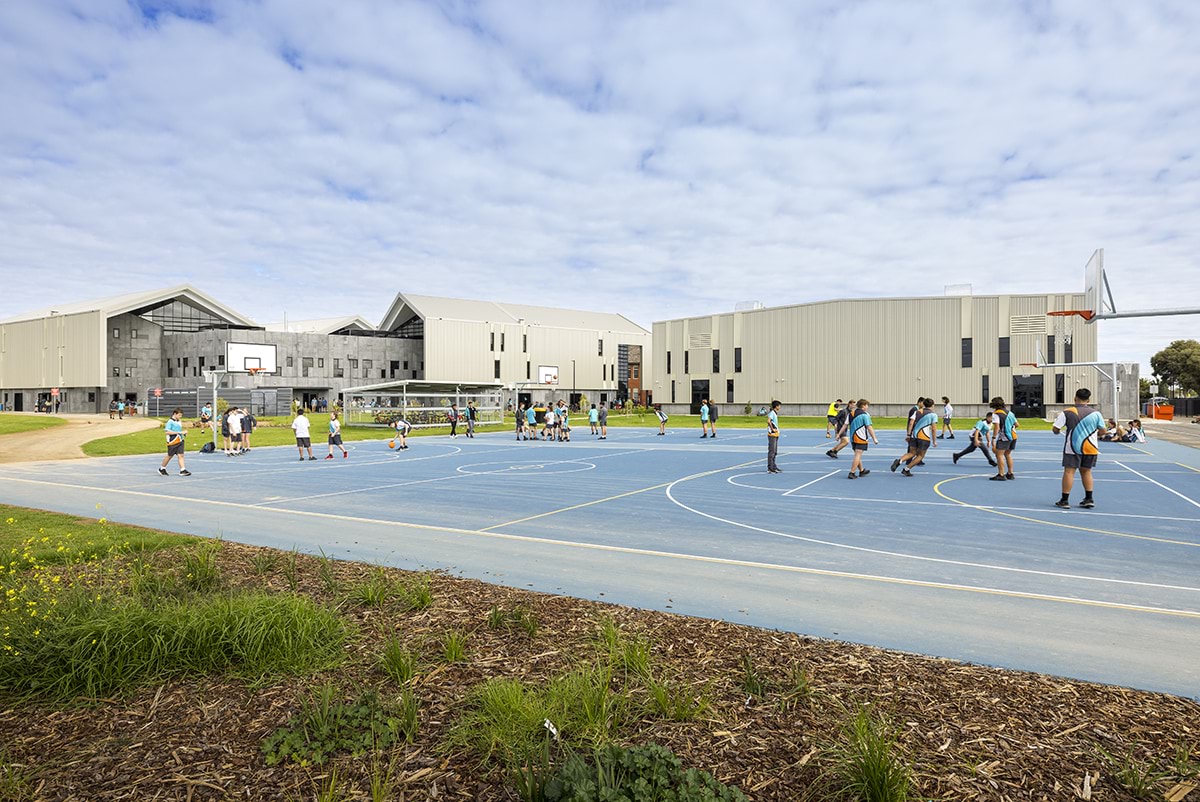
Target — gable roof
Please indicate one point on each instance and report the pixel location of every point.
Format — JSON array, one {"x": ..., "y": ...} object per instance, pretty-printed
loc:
[
  {"x": 325, "y": 325},
  {"x": 434, "y": 307},
  {"x": 131, "y": 302}
]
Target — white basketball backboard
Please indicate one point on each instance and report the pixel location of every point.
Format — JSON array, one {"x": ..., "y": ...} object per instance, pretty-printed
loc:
[
  {"x": 547, "y": 374},
  {"x": 1093, "y": 285},
  {"x": 242, "y": 357}
]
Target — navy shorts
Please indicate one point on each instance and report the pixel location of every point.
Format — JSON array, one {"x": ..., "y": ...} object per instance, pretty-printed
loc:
[{"x": 1084, "y": 461}]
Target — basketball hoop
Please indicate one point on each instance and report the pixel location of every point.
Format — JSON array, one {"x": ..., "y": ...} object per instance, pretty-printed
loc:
[{"x": 1025, "y": 373}]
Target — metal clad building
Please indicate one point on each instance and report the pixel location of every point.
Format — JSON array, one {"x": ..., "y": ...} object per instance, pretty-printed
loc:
[{"x": 888, "y": 350}]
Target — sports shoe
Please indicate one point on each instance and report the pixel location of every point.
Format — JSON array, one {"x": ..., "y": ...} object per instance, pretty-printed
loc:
[
  {"x": 312, "y": 459},
  {"x": 831, "y": 454},
  {"x": 895, "y": 465},
  {"x": 851, "y": 475},
  {"x": 906, "y": 472},
  {"x": 302, "y": 459},
  {"x": 951, "y": 437},
  {"x": 162, "y": 471},
  {"x": 1087, "y": 504},
  {"x": 703, "y": 436},
  {"x": 863, "y": 471},
  {"x": 1009, "y": 476},
  {"x": 955, "y": 458},
  {"x": 328, "y": 456},
  {"x": 997, "y": 478},
  {"x": 992, "y": 464},
  {"x": 1066, "y": 505},
  {"x": 345, "y": 454},
  {"x": 713, "y": 435},
  {"x": 185, "y": 473},
  {"x": 941, "y": 437}
]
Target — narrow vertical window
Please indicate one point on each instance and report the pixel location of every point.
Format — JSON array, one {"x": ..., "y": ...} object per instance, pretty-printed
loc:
[
  {"x": 1060, "y": 388},
  {"x": 1004, "y": 352},
  {"x": 1050, "y": 348},
  {"x": 497, "y": 368},
  {"x": 987, "y": 395},
  {"x": 737, "y": 360},
  {"x": 716, "y": 360},
  {"x": 668, "y": 361},
  {"x": 686, "y": 362},
  {"x": 1068, "y": 352},
  {"x": 968, "y": 357}
]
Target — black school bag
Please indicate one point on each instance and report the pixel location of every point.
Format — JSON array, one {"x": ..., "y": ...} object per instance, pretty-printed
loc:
[{"x": 207, "y": 448}]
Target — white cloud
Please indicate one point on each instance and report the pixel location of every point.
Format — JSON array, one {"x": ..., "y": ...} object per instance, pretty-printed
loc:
[{"x": 658, "y": 159}]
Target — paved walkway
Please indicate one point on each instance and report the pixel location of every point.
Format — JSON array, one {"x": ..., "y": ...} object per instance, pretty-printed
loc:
[
  {"x": 63, "y": 442},
  {"x": 1180, "y": 431}
]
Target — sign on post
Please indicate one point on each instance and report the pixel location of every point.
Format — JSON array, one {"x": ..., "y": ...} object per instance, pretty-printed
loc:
[{"x": 54, "y": 391}]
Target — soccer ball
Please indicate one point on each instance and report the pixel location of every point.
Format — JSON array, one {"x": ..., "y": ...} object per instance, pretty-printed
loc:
[{"x": 391, "y": 443}]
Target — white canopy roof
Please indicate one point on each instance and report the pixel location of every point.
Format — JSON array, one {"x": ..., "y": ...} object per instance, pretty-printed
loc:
[{"x": 121, "y": 304}]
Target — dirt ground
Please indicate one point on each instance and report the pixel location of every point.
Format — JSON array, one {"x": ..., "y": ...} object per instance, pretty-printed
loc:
[
  {"x": 1179, "y": 431},
  {"x": 64, "y": 442}
]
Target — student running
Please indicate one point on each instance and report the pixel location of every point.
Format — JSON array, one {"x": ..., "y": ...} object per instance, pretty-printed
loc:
[
  {"x": 831, "y": 416},
  {"x": 335, "y": 436},
  {"x": 1004, "y": 439},
  {"x": 175, "y": 443},
  {"x": 860, "y": 429},
  {"x": 841, "y": 428},
  {"x": 978, "y": 441},
  {"x": 922, "y": 439},
  {"x": 301, "y": 426},
  {"x": 1083, "y": 427}
]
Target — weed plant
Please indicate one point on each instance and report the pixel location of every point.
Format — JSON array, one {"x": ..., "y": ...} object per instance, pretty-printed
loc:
[
  {"x": 327, "y": 573},
  {"x": 635, "y": 773},
  {"x": 799, "y": 688},
  {"x": 416, "y": 594},
  {"x": 291, "y": 570},
  {"x": 868, "y": 765},
  {"x": 264, "y": 562},
  {"x": 326, "y": 726},
  {"x": 15, "y": 781},
  {"x": 397, "y": 661},
  {"x": 1139, "y": 778},
  {"x": 674, "y": 701},
  {"x": 753, "y": 681},
  {"x": 200, "y": 571},
  {"x": 520, "y": 618},
  {"x": 1183, "y": 767},
  {"x": 454, "y": 647},
  {"x": 630, "y": 654},
  {"x": 375, "y": 591}
]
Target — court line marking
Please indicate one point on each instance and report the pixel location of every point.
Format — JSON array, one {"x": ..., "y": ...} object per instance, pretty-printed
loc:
[
  {"x": 813, "y": 482},
  {"x": 918, "y": 557},
  {"x": 937, "y": 488},
  {"x": 1189, "y": 467},
  {"x": 1137, "y": 608},
  {"x": 1160, "y": 484}
]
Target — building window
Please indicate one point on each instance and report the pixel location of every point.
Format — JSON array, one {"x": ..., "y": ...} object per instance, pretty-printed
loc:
[
  {"x": 497, "y": 368},
  {"x": 968, "y": 356},
  {"x": 306, "y": 362},
  {"x": 604, "y": 372},
  {"x": 91, "y": 398},
  {"x": 1060, "y": 388},
  {"x": 185, "y": 362},
  {"x": 525, "y": 344},
  {"x": 668, "y": 361},
  {"x": 414, "y": 374},
  {"x": 220, "y": 360},
  {"x": 1004, "y": 352},
  {"x": 382, "y": 373},
  {"x": 501, "y": 342},
  {"x": 406, "y": 364},
  {"x": 290, "y": 362},
  {"x": 320, "y": 362},
  {"x": 116, "y": 334},
  {"x": 729, "y": 391},
  {"x": 492, "y": 346},
  {"x": 635, "y": 371},
  {"x": 133, "y": 334},
  {"x": 338, "y": 373},
  {"x": 367, "y": 365},
  {"x": 1068, "y": 352},
  {"x": 737, "y": 360},
  {"x": 526, "y": 370},
  {"x": 117, "y": 372},
  {"x": 1050, "y": 349},
  {"x": 987, "y": 393},
  {"x": 686, "y": 362},
  {"x": 201, "y": 360},
  {"x": 353, "y": 364},
  {"x": 716, "y": 360},
  {"x": 599, "y": 347},
  {"x": 672, "y": 392}
]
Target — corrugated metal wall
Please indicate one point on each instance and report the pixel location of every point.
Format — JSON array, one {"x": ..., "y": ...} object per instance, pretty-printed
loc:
[{"x": 58, "y": 351}]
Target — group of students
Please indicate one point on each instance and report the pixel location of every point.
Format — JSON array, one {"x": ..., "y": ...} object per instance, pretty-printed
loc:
[
  {"x": 469, "y": 416},
  {"x": 1116, "y": 433},
  {"x": 555, "y": 422}
]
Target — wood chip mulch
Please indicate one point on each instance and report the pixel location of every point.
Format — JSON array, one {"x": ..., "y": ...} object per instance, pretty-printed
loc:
[{"x": 969, "y": 732}]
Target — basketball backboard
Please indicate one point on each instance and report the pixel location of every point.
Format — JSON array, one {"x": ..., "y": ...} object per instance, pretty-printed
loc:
[
  {"x": 547, "y": 374},
  {"x": 1093, "y": 285},
  {"x": 242, "y": 357}
]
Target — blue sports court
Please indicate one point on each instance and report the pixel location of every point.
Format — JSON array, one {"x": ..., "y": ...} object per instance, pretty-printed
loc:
[{"x": 944, "y": 563}]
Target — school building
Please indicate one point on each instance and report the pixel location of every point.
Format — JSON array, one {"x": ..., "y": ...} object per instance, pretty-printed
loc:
[
  {"x": 888, "y": 350},
  {"x": 78, "y": 357}
]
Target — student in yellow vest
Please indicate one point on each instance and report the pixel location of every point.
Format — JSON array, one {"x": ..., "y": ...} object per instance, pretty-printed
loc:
[{"x": 831, "y": 416}]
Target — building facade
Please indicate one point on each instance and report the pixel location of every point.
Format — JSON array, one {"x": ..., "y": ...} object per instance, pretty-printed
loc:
[{"x": 888, "y": 350}]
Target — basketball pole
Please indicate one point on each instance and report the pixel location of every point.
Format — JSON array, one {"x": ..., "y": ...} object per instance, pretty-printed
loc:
[{"x": 1098, "y": 367}]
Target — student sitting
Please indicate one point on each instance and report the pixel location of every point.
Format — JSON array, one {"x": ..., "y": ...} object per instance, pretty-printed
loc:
[{"x": 1135, "y": 433}]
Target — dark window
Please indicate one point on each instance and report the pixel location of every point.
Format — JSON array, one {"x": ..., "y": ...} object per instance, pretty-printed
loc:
[
  {"x": 737, "y": 360},
  {"x": 414, "y": 374},
  {"x": 501, "y": 341},
  {"x": 987, "y": 394},
  {"x": 497, "y": 368},
  {"x": 729, "y": 391},
  {"x": 1060, "y": 388},
  {"x": 668, "y": 361},
  {"x": 220, "y": 359},
  {"x": 716, "y": 360},
  {"x": 527, "y": 370},
  {"x": 604, "y": 372},
  {"x": 185, "y": 362},
  {"x": 967, "y": 352},
  {"x": 492, "y": 345},
  {"x": 116, "y": 334},
  {"x": 201, "y": 361},
  {"x": 525, "y": 345},
  {"x": 367, "y": 365},
  {"x": 170, "y": 371},
  {"x": 672, "y": 392},
  {"x": 1050, "y": 348},
  {"x": 599, "y": 347},
  {"x": 1004, "y": 358},
  {"x": 320, "y": 361},
  {"x": 133, "y": 334},
  {"x": 305, "y": 362},
  {"x": 91, "y": 398},
  {"x": 687, "y": 362},
  {"x": 1068, "y": 352},
  {"x": 406, "y": 364},
  {"x": 382, "y": 373},
  {"x": 289, "y": 362}
]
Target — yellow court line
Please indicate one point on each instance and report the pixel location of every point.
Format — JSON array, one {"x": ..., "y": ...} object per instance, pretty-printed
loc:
[
  {"x": 1144, "y": 451},
  {"x": 613, "y": 498},
  {"x": 1189, "y": 467},
  {"x": 937, "y": 488},
  {"x": 795, "y": 569}
]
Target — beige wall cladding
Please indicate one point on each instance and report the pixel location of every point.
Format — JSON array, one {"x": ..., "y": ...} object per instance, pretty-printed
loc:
[
  {"x": 889, "y": 350},
  {"x": 56, "y": 351}
]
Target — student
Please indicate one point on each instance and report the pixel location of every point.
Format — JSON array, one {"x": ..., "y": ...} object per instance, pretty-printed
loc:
[
  {"x": 602, "y": 417},
  {"x": 530, "y": 422},
  {"x": 860, "y": 429},
  {"x": 402, "y": 427},
  {"x": 712, "y": 420},
  {"x": 335, "y": 436},
  {"x": 922, "y": 438},
  {"x": 519, "y": 420},
  {"x": 235, "y": 433},
  {"x": 175, "y": 443},
  {"x": 594, "y": 420},
  {"x": 564, "y": 432},
  {"x": 773, "y": 438},
  {"x": 662, "y": 419},
  {"x": 978, "y": 440},
  {"x": 472, "y": 415},
  {"x": 704, "y": 418},
  {"x": 947, "y": 415},
  {"x": 225, "y": 432},
  {"x": 452, "y": 415},
  {"x": 1112, "y": 432},
  {"x": 121, "y": 410},
  {"x": 248, "y": 424},
  {"x": 300, "y": 426},
  {"x": 841, "y": 428},
  {"x": 831, "y": 416},
  {"x": 1083, "y": 426},
  {"x": 1004, "y": 438},
  {"x": 112, "y": 409},
  {"x": 205, "y": 414},
  {"x": 1136, "y": 433}
]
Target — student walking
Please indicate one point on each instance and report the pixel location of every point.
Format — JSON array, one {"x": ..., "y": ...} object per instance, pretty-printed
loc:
[
  {"x": 594, "y": 420},
  {"x": 1004, "y": 439},
  {"x": 602, "y": 417},
  {"x": 860, "y": 429},
  {"x": 922, "y": 438},
  {"x": 453, "y": 418},
  {"x": 175, "y": 443},
  {"x": 841, "y": 428},
  {"x": 947, "y": 416},
  {"x": 1083, "y": 427},
  {"x": 662, "y": 419},
  {"x": 773, "y": 438},
  {"x": 978, "y": 441},
  {"x": 301, "y": 426},
  {"x": 335, "y": 436},
  {"x": 703, "y": 418},
  {"x": 472, "y": 414},
  {"x": 712, "y": 419}
]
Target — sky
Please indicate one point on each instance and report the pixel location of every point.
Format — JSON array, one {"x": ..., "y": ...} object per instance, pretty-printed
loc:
[{"x": 656, "y": 159}]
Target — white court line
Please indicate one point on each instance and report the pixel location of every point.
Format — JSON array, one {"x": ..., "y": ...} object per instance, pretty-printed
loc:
[
  {"x": 919, "y": 558},
  {"x": 1160, "y": 484},
  {"x": 813, "y": 482},
  {"x": 796, "y": 569}
]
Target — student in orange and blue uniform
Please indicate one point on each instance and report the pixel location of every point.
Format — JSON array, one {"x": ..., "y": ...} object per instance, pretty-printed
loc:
[
  {"x": 1004, "y": 438},
  {"x": 1083, "y": 426},
  {"x": 920, "y": 439}
]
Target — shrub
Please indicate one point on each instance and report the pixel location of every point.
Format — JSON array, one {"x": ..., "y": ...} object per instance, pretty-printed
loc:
[
  {"x": 633, "y": 774},
  {"x": 326, "y": 727}
]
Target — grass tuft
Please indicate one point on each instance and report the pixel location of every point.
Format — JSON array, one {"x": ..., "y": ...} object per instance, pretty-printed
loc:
[
  {"x": 416, "y": 594},
  {"x": 200, "y": 571},
  {"x": 454, "y": 647},
  {"x": 397, "y": 661},
  {"x": 264, "y": 562},
  {"x": 868, "y": 766},
  {"x": 753, "y": 681}
]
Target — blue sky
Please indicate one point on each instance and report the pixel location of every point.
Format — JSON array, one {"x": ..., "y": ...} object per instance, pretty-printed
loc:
[{"x": 653, "y": 158}]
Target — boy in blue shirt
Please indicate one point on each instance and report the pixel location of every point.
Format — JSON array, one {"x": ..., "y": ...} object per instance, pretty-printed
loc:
[
  {"x": 175, "y": 446},
  {"x": 704, "y": 418},
  {"x": 860, "y": 429},
  {"x": 978, "y": 440},
  {"x": 1083, "y": 426},
  {"x": 594, "y": 419},
  {"x": 1004, "y": 438}
]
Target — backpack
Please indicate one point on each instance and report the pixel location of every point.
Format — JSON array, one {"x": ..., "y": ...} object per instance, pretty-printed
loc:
[{"x": 207, "y": 448}]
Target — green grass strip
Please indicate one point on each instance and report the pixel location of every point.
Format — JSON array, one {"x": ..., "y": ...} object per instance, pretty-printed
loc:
[{"x": 14, "y": 424}]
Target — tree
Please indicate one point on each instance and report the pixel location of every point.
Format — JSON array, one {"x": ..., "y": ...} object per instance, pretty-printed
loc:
[
  {"x": 1179, "y": 364},
  {"x": 1144, "y": 393}
]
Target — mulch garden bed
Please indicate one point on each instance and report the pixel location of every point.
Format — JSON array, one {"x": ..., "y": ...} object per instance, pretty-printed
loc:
[{"x": 968, "y": 732}]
